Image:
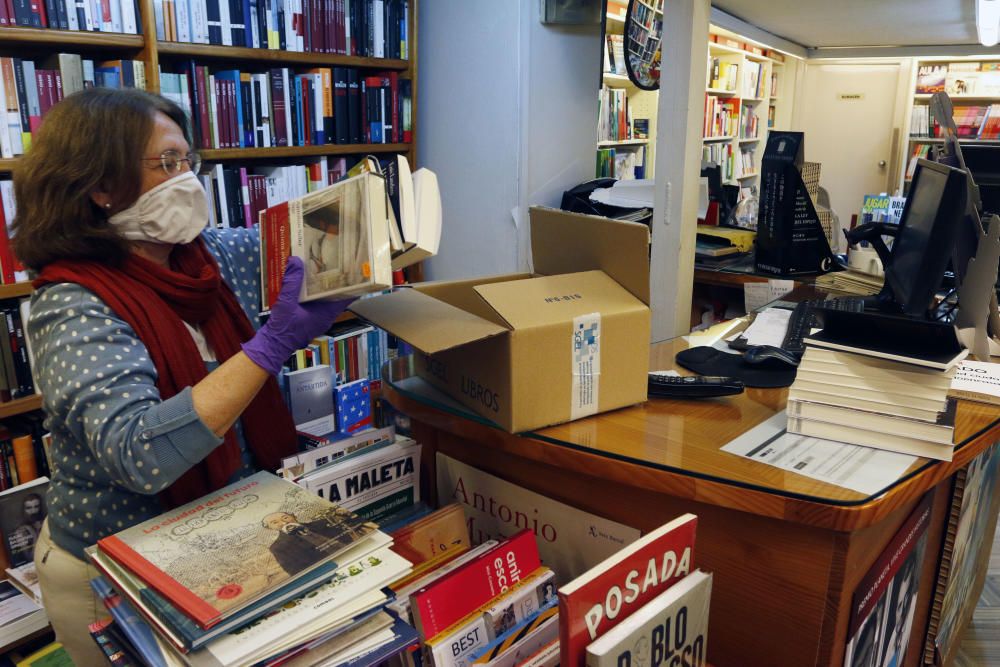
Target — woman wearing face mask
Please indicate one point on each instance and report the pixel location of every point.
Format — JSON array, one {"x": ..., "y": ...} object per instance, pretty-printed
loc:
[{"x": 156, "y": 387}]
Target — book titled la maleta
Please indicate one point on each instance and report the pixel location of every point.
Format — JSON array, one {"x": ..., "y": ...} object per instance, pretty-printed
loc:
[{"x": 222, "y": 552}]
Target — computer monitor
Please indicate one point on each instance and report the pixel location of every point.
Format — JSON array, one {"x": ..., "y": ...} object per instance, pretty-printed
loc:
[
  {"x": 932, "y": 216},
  {"x": 983, "y": 163}
]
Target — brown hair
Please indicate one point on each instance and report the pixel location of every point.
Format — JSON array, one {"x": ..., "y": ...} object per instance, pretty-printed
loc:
[{"x": 91, "y": 140}]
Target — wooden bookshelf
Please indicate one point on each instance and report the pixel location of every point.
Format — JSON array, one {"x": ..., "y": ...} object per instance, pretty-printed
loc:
[
  {"x": 229, "y": 53},
  {"x": 16, "y": 290},
  {"x": 20, "y": 406},
  {"x": 72, "y": 39}
]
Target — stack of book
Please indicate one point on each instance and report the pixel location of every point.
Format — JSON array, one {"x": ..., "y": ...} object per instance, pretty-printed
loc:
[
  {"x": 20, "y": 615},
  {"x": 860, "y": 399},
  {"x": 645, "y": 601},
  {"x": 258, "y": 570}
]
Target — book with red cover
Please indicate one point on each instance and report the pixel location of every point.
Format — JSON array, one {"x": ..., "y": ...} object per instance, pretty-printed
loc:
[
  {"x": 639, "y": 572},
  {"x": 445, "y": 600}
]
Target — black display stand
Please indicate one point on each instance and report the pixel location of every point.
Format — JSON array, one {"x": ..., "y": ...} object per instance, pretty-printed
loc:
[{"x": 790, "y": 239}]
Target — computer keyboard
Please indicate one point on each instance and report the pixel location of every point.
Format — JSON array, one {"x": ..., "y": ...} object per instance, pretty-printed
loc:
[{"x": 803, "y": 319}]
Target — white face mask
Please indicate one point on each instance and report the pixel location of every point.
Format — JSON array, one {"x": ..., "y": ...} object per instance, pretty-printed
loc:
[{"x": 175, "y": 211}]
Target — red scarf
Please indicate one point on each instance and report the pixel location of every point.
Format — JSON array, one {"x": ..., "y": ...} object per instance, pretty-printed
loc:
[{"x": 156, "y": 302}]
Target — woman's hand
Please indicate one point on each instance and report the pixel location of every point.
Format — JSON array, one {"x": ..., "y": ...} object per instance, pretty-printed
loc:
[{"x": 292, "y": 325}]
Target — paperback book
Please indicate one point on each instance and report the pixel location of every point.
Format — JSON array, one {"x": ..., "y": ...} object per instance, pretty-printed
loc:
[
  {"x": 220, "y": 553},
  {"x": 633, "y": 576},
  {"x": 341, "y": 234},
  {"x": 22, "y": 511},
  {"x": 672, "y": 628}
]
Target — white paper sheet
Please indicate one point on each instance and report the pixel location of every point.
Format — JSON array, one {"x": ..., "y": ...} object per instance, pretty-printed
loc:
[
  {"x": 758, "y": 295},
  {"x": 860, "y": 469},
  {"x": 768, "y": 328}
]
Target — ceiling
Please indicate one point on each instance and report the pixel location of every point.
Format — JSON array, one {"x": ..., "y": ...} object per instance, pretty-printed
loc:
[{"x": 860, "y": 23}]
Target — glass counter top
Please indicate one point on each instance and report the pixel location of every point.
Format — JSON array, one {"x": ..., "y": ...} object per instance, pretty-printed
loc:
[{"x": 685, "y": 437}]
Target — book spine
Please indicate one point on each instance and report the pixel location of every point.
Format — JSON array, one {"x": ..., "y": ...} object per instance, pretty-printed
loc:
[{"x": 24, "y": 458}]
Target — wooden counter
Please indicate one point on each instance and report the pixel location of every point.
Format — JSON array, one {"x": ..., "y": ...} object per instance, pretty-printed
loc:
[{"x": 786, "y": 551}]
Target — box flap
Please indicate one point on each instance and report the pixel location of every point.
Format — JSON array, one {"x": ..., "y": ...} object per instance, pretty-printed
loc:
[
  {"x": 424, "y": 322},
  {"x": 557, "y": 299},
  {"x": 563, "y": 242}
]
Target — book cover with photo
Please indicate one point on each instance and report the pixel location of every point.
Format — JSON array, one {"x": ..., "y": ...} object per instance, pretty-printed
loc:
[
  {"x": 885, "y": 600},
  {"x": 22, "y": 511},
  {"x": 220, "y": 553},
  {"x": 971, "y": 547},
  {"x": 341, "y": 234}
]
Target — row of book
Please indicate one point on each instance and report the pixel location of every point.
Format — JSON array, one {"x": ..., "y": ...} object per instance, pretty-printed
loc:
[
  {"x": 11, "y": 269},
  {"x": 959, "y": 78},
  {"x": 749, "y": 123},
  {"x": 24, "y": 445},
  {"x": 368, "y": 28},
  {"x": 722, "y": 154},
  {"x": 614, "y": 55},
  {"x": 30, "y": 89},
  {"x": 15, "y": 353},
  {"x": 621, "y": 162},
  {"x": 614, "y": 115},
  {"x": 116, "y": 16},
  {"x": 972, "y": 122},
  {"x": 722, "y": 74},
  {"x": 721, "y": 117},
  {"x": 754, "y": 81},
  {"x": 323, "y": 105},
  {"x": 237, "y": 195},
  {"x": 745, "y": 163}
]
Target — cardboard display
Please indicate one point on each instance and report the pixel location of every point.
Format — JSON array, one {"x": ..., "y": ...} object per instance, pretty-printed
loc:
[
  {"x": 790, "y": 239},
  {"x": 532, "y": 350}
]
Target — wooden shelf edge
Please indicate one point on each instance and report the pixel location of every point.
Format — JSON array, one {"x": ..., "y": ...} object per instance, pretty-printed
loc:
[
  {"x": 16, "y": 290},
  {"x": 218, "y": 154},
  {"x": 81, "y": 38},
  {"x": 188, "y": 49},
  {"x": 20, "y": 406}
]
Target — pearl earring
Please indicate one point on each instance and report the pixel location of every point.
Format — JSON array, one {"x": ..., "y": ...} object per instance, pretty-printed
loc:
[{"x": 108, "y": 205}]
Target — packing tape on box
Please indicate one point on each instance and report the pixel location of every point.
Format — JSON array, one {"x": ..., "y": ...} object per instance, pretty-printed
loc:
[{"x": 586, "y": 365}]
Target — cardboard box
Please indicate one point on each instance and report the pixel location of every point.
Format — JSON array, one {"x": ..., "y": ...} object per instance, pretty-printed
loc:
[{"x": 529, "y": 350}]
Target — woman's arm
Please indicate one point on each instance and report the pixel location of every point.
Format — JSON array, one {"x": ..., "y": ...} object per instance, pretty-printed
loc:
[{"x": 220, "y": 398}]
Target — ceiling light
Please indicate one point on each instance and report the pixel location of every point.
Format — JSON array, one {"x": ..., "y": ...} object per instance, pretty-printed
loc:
[{"x": 988, "y": 21}]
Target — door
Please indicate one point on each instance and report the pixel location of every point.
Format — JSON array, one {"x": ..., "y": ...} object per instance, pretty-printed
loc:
[{"x": 848, "y": 114}]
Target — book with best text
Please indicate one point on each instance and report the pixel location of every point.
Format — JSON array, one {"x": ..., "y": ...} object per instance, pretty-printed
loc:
[
  {"x": 633, "y": 576},
  {"x": 224, "y": 551}
]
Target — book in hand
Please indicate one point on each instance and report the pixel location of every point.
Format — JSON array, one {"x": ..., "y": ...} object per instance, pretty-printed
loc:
[
  {"x": 634, "y": 575},
  {"x": 218, "y": 554},
  {"x": 671, "y": 629},
  {"x": 447, "y": 599},
  {"x": 341, "y": 234}
]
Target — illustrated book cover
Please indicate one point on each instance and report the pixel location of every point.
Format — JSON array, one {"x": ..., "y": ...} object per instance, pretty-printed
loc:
[
  {"x": 341, "y": 234},
  {"x": 636, "y": 574},
  {"x": 672, "y": 628},
  {"x": 222, "y": 552},
  {"x": 310, "y": 398}
]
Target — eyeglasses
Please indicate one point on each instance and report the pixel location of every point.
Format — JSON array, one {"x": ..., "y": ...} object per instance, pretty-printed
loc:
[{"x": 172, "y": 160}]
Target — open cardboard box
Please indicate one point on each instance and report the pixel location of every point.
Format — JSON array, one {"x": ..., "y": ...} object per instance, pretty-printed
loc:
[{"x": 529, "y": 350}]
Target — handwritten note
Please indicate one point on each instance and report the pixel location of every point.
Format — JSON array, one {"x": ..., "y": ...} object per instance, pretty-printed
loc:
[{"x": 758, "y": 295}]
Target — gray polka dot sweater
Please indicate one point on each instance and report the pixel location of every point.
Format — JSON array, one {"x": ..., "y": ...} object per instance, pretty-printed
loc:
[{"x": 115, "y": 442}]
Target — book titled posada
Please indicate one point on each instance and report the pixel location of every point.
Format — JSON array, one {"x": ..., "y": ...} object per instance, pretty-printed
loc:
[{"x": 222, "y": 552}]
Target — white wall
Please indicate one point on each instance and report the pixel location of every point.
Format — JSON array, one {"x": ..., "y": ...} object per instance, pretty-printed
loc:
[{"x": 507, "y": 117}]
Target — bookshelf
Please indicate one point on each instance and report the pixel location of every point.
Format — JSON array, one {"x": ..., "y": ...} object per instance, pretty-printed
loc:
[
  {"x": 41, "y": 45},
  {"x": 742, "y": 86},
  {"x": 619, "y": 150},
  {"x": 973, "y": 84}
]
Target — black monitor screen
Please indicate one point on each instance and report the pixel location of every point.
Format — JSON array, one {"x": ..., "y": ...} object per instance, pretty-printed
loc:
[{"x": 934, "y": 210}]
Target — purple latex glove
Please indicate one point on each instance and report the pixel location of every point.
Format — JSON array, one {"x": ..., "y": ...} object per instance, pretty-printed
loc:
[{"x": 292, "y": 325}]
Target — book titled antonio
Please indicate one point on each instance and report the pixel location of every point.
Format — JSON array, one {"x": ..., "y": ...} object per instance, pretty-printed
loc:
[
  {"x": 222, "y": 552},
  {"x": 341, "y": 233}
]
